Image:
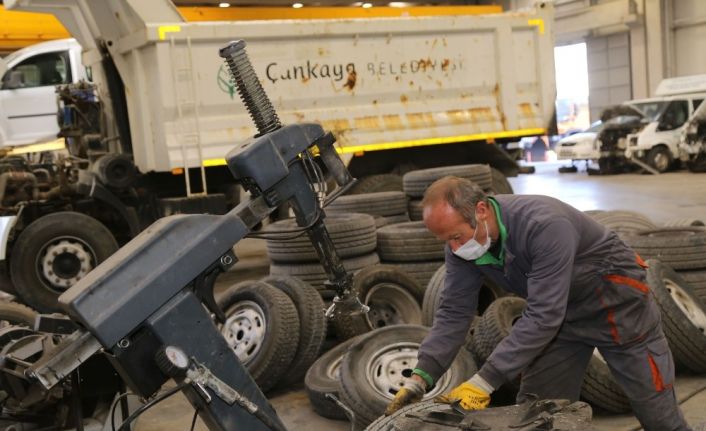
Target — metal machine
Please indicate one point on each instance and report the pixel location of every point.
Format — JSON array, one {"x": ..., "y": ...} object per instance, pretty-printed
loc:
[{"x": 144, "y": 306}]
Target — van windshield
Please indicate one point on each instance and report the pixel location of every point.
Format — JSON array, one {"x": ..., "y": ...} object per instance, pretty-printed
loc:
[{"x": 652, "y": 110}]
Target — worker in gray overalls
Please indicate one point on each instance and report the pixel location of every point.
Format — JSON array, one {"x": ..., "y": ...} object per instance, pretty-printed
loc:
[{"x": 584, "y": 288}]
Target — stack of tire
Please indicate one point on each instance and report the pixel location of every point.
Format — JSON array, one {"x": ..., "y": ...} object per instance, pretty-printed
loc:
[
  {"x": 623, "y": 222},
  {"x": 386, "y": 207},
  {"x": 292, "y": 254}
]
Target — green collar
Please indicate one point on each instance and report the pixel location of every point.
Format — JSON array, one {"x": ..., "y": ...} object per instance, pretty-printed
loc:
[{"x": 488, "y": 258}]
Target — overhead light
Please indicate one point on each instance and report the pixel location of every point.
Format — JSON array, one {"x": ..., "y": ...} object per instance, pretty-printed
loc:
[
  {"x": 297, "y": 5},
  {"x": 366, "y": 5},
  {"x": 223, "y": 4}
]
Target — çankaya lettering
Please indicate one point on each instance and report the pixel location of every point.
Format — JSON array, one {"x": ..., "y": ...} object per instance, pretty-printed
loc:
[{"x": 309, "y": 71}]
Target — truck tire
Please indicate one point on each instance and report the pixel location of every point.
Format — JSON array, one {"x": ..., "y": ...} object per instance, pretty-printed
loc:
[
  {"x": 685, "y": 222},
  {"x": 416, "y": 211},
  {"x": 313, "y": 273},
  {"x": 421, "y": 272},
  {"x": 12, "y": 313},
  {"x": 409, "y": 242},
  {"x": 323, "y": 377},
  {"x": 375, "y": 365},
  {"x": 495, "y": 324},
  {"x": 312, "y": 324},
  {"x": 352, "y": 234},
  {"x": 416, "y": 182},
  {"x": 678, "y": 247},
  {"x": 53, "y": 253},
  {"x": 600, "y": 389},
  {"x": 396, "y": 219},
  {"x": 697, "y": 281},
  {"x": 683, "y": 316},
  {"x": 377, "y": 183},
  {"x": 394, "y": 298},
  {"x": 623, "y": 222},
  {"x": 660, "y": 159},
  {"x": 376, "y": 204},
  {"x": 262, "y": 328},
  {"x": 501, "y": 186}
]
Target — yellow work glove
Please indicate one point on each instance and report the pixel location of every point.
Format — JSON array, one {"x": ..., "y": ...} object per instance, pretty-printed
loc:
[
  {"x": 411, "y": 392},
  {"x": 471, "y": 396}
]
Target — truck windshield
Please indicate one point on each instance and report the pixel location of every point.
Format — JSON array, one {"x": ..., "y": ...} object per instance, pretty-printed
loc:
[{"x": 652, "y": 110}]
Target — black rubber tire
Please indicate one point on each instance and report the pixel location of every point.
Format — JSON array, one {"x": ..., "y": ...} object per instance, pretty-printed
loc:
[
  {"x": 686, "y": 341},
  {"x": 364, "y": 282},
  {"x": 279, "y": 344},
  {"x": 495, "y": 324},
  {"x": 501, "y": 186},
  {"x": 685, "y": 222},
  {"x": 353, "y": 235},
  {"x": 313, "y": 273},
  {"x": 358, "y": 393},
  {"x": 409, "y": 242},
  {"x": 416, "y": 211},
  {"x": 600, "y": 389},
  {"x": 312, "y": 324},
  {"x": 678, "y": 247},
  {"x": 421, "y": 272},
  {"x": 416, "y": 182},
  {"x": 35, "y": 290},
  {"x": 377, "y": 183},
  {"x": 321, "y": 379},
  {"x": 697, "y": 281},
  {"x": 12, "y": 313},
  {"x": 624, "y": 222},
  {"x": 376, "y": 204},
  {"x": 395, "y": 219},
  {"x": 658, "y": 152}
]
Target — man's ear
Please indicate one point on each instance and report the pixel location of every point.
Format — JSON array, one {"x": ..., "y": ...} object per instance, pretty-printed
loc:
[{"x": 482, "y": 210}]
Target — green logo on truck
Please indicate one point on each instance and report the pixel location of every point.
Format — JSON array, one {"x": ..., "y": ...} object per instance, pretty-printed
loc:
[{"x": 225, "y": 82}]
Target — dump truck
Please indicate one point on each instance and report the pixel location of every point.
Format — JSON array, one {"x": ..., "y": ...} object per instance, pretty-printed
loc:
[{"x": 147, "y": 136}]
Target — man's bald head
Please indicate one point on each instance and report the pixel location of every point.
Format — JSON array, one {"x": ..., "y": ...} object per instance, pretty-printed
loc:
[{"x": 457, "y": 193}]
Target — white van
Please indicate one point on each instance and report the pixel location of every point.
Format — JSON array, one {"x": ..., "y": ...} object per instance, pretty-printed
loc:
[{"x": 28, "y": 107}]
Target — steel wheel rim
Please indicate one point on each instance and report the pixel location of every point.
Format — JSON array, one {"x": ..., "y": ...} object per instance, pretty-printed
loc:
[
  {"x": 245, "y": 329},
  {"x": 391, "y": 304},
  {"x": 389, "y": 366},
  {"x": 333, "y": 370},
  {"x": 63, "y": 261},
  {"x": 687, "y": 305}
]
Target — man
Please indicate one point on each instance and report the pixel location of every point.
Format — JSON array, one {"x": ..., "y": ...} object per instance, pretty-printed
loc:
[{"x": 584, "y": 288}]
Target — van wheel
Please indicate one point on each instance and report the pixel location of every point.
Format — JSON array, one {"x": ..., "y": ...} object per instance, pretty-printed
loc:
[{"x": 659, "y": 158}]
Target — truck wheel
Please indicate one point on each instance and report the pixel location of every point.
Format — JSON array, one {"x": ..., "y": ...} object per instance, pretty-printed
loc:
[
  {"x": 53, "y": 253},
  {"x": 262, "y": 328},
  {"x": 678, "y": 247},
  {"x": 600, "y": 389},
  {"x": 374, "y": 368},
  {"x": 659, "y": 158},
  {"x": 409, "y": 242},
  {"x": 377, "y": 183},
  {"x": 421, "y": 272},
  {"x": 683, "y": 316},
  {"x": 12, "y": 313},
  {"x": 501, "y": 186}
]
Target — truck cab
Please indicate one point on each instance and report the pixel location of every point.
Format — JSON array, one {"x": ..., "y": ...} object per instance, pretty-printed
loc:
[{"x": 28, "y": 106}]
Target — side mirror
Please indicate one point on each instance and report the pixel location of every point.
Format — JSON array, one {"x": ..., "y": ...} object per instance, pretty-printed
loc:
[{"x": 14, "y": 79}]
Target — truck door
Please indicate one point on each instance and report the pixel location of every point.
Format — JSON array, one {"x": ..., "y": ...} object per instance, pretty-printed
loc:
[{"x": 27, "y": 100}]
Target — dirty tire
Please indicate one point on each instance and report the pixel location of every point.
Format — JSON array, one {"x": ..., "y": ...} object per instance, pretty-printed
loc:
[
  {"x": 313, "y": 273},
  {"x": 678, "y": 247},
  {"x": 416, "y": 182},
  {"x": 269, "y": 361},
  {"x": 376, "y": 204},
  {"x": 353, "y": 235},
  {"x": 495, "y": 324},
  {"x": 421, "y": 272},
  {"x": 12, "y": 313},
  {"x": 312, "y": 324},
  {"x": 409, "y": 242},
  {"x": 684, "y": 222},
  {"x": 624, "y": 222},
  {"x": 394, "y": 298},
  {"x": 501, "y": 186},
  {"x": 377, "y": 183},
  {"x": 395, "y": 219},
  {"x": 697, "y": 281},
  {"x": 86, "y": 237},
  {"x": 683, "y": 316},
  {"x": 375, "y": 364},
  {"x": 323, "y": 378},
  {"x": 416, "y": 210},
  {"x": 600, "y": 389}
]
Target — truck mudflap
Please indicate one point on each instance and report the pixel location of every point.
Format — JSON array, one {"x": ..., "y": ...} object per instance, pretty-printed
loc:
[
  {"x": 534, "y": 415},
  {"x": 7, "y": 223}
]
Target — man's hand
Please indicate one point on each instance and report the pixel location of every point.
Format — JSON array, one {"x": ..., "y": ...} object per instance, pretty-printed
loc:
[
  {"x": 473, "y": 394},
  {"x": 412, "y": 392}
]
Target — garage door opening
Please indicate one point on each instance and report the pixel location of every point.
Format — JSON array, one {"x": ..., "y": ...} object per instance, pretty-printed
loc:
[{"x": 571, "y": 68}]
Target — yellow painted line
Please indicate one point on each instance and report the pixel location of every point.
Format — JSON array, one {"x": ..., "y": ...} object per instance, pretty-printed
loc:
[
  {"x": 55, "y": 145},
  {"x": 538, "y": 22},
  {"x": 164, "y": 29}
]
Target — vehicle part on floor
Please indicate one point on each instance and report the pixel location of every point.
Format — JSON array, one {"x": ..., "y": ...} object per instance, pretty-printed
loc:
[
  {"x": 262, "y": 328},
  {"x": 416, "y": 182},
  {"x": 683, "y": 316},
  {"x": 375, "y": 366},
  {"x": 501, "y": 186},
  {"x": 377, "y": 183},
  {"x": 421, "y": 272},
  {"x": 394, "y": 298},
  {"x": 376, "y": 204},
  {"x": 697, "y": 281},
  {"x": 12, "y": 313},
  {"x": 53, "y": 253},
  {"x": 352, "y": 234},
  {"x": 542, "y": 415},
  {"x": 684, "y": 222},
  {"x": 600, "y": 389},
  {"x": 623, "y": 222},
  {"x": 678, "y": 247},
  {"x": 323, "y": 377},
  {"x": 416, "y": 211},
  {"x": 409, "y": 242},
  {"x": 313, "y": 273},
  {"x": 312, "y": 323}
]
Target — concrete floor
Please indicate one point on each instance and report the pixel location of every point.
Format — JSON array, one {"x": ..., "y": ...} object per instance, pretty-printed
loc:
[{"x": 663, "y": 197}]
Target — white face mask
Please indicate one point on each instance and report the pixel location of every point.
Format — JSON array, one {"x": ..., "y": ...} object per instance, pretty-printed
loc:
[{"x": 472, "y": 249}]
